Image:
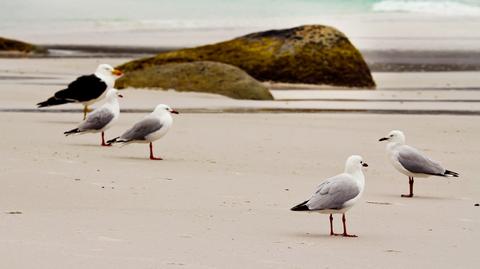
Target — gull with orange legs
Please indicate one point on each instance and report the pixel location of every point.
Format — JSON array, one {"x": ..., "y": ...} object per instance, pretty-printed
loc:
[{"x": 86, "y": 89}]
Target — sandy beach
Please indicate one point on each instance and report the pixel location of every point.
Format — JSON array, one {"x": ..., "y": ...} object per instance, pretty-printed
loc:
[
  {"x": 221, "y": 197},
  {"x": 232, "y": 169}
]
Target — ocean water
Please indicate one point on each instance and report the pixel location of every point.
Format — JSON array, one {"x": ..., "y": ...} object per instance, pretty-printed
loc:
[{"x": 370, "y": 23}]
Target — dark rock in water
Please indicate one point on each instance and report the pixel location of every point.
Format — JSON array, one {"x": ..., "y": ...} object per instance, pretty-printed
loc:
[
  {"x": 209, "y": 77},
  {"x": 311, "y": 54},
  {"x": 10, "y": 46}
]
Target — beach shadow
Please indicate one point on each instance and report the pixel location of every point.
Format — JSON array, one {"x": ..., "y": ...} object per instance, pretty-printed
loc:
[
  {"x": 130, "y": 158},
  {"x": 379, "y": 203},
  {"x": 415, "y": 197},
  {"x": 312, "y": 235},
  {"x": 422, "y": 197},
  {"x": 88, "y": 145},
  {"x": 69, "y": 122},
  {"x": 145, "y": 158}
]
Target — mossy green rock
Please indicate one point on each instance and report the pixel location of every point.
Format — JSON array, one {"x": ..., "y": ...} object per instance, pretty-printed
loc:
[
  {"x": 209, "y": 77},
  {"x": 10, "y": 45},
  {"x": 313, "y": 54}
]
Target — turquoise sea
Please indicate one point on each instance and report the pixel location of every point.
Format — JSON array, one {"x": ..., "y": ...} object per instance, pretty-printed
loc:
[
  {"x": 179, "y": 13},
  {"x": 166, "y": 22}
]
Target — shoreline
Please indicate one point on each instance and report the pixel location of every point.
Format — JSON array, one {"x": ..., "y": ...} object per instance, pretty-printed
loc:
[
  {"x": 24, "y": 82},
  {"x": 417, "y": 112},
  {"x": 393, "y": 60},
  {"x": 422, "y": 60}
]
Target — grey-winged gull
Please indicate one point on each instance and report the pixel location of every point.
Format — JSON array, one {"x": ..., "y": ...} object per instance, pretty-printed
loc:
[
  {"x": 101, "y": 118},
  {"x": 152, "y": 127},
  {"x": 336, "y": 195},
  {"x": 86, "y": 89},
  {"x": 410, "y": 161}
]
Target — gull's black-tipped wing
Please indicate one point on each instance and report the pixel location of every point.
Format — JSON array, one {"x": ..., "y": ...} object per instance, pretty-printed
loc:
[{"x": 83, "y": 89}]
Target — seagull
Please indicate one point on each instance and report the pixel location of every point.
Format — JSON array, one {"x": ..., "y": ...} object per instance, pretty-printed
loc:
[
  {"x": 338, "y": 194},
  {"x": 152, "y": 127},
  {"x": 86, "y": 89},
  {"x": 101, "y": 118},
  {"x": 410, "y": 161}
]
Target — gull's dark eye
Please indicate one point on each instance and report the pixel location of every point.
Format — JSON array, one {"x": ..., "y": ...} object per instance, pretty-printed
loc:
[{"x": 391, "y": 135}]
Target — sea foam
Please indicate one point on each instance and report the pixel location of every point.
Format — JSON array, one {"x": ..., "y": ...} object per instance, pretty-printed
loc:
[{"x": 438, "y": 7}]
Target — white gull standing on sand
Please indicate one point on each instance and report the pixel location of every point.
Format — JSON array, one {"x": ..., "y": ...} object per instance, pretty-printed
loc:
[
  {"x": 86, "y": 89},
  {"x": 101, "y": 118},
  {"x": 152, "y": 127},
  {"x": 336, "y": 195},
  {"x": 410, "y": 161}
]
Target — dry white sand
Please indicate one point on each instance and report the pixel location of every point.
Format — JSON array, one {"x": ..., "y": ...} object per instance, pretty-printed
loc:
[{"x": 221, "y": 197}]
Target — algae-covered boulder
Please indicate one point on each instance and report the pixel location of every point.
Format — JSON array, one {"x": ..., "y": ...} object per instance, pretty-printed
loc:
[
  {"x": 15, "y": 47},
  {"x": 209, "y": 77},
  {"x": 313, "y": 54}
]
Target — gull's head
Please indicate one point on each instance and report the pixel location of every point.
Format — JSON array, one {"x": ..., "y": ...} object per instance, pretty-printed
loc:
[
  {"x": 113, "y": 94},
  {"x": 108, "y": 71},
  {"x": 354, "y": 163},
  {"x": 164, "y": 108},
  {"x": 394, "y": 136}
]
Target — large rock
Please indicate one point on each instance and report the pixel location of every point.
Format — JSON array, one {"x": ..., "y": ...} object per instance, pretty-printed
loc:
[
  {"x": 10, "y": 46},
  {"x": 312, "y": 54},
  {"x": 209, "y": 77}
]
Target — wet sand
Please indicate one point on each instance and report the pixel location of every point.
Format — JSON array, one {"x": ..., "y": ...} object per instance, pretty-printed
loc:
[
  {"x": 25, "y": 82},
  {"x": 386, "y": 60}
]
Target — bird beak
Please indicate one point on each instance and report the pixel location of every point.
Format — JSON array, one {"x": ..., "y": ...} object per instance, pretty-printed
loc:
[
  {"x": 119, "y": 95},
  {"x": 117, "y": 72},
  {"x": 383, "y": 139},
  {"x": 365, "y": 165},
  {"x": 174, "y": 112}
]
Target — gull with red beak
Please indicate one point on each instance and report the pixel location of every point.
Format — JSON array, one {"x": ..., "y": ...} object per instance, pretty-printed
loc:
[
  {"x": 154, "y": 126},
  {"x": 410, "y": 161},
  {"x": 101, "y": 118},
  {"x": 336, "y": 195},
  {"x": 86, "y": 89}
]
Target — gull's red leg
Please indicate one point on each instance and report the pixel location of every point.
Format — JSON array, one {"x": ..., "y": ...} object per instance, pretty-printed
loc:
[
  {"x": 103, "y": 141},
  {"x": 410, "y": 183},
  {"x": 151, "y": 153},
  {"x": 331, "y": 225},
  {"x": 345, "y": 228}
]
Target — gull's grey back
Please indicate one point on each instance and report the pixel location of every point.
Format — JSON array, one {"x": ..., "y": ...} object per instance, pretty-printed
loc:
[
  {"x": 141, "y": 129},
  {"x": 334, "y": 192},
  {"x": 97, "y": 120},
  {"x": 416, "y": 162}
]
